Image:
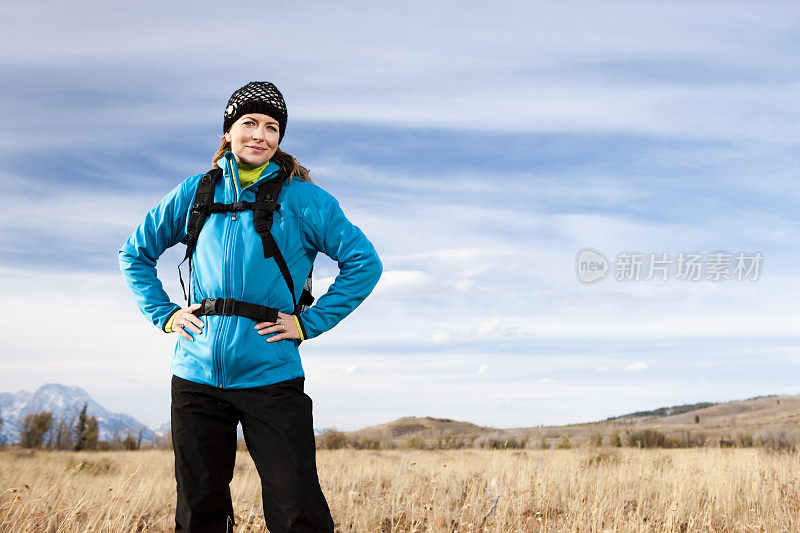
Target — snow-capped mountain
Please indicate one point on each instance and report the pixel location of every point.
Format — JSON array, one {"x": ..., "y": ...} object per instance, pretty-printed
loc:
[
  {"x": 161, "y": 429},
  {"x": 65, "y": 403}
]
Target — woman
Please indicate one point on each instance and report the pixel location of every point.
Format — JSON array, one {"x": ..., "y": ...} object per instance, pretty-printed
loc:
[{"x": 250, "y": 255}]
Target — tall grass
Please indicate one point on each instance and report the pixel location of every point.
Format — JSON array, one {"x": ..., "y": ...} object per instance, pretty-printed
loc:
[{"x": 582, "y": 489}]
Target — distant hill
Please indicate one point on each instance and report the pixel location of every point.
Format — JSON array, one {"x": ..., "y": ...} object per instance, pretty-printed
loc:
[
  {"x": 761, "y": 416},
  {"x": 64, "y": 402},
  {"x": 398, "y": 431},
  {"x": 663, "y": 411}
]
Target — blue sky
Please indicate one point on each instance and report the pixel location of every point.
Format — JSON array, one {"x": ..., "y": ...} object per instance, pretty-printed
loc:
[{"x": 479, "y": 151}]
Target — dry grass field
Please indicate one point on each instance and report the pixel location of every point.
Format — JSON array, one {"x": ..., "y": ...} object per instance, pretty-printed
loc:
[{"x": 585, "y": 489}]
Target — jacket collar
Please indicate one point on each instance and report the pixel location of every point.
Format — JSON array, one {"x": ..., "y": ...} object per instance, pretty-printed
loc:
[{"x": 230, "y": 170}]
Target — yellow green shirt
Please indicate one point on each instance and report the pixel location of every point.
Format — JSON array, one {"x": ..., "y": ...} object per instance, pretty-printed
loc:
[{"x": 248, "y": 174}]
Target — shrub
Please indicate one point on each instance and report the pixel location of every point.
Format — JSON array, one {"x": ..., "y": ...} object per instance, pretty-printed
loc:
[
  {"x": 365, "y": 443},
  {"x": 449, "y": 442},
  {"x": 780, "y": 446},
  {"x": 415, "y": 443},
  {"x": 692, "y": 440},
  {"x": 129, "y": 442},
  {"x": 34, "y": 429},
  {"x": 647, "y": 438},
  {"x": 331, "y": 439},
  {"x": 602, "y": 459}
]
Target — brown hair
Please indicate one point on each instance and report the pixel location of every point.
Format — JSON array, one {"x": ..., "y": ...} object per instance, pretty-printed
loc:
[{"x": 287, "y": 162}]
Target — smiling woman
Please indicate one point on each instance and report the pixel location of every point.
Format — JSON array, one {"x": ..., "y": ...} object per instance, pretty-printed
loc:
[
  {"x": 253, "y": 226},
  {"x": 253, "y": 138}
]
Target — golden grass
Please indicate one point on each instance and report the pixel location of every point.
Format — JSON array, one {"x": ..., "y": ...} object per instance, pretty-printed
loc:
[{"x": 577, "y": 490}]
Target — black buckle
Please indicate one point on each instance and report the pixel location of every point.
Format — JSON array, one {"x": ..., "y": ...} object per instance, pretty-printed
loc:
[
  {"x": 217, "y": 306},
  {"x": 227, "y": 306},
  {"x": 239, "y": 206},
  {"x": 208, "y": 306}
]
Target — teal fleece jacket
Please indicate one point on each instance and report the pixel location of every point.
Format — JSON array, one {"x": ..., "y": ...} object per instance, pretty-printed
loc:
[{"x": 228, "y": 262}]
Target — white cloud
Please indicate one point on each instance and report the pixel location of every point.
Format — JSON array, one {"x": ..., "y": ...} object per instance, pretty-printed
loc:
[
  {"x": 547, "y": 380},
  {"x": 320, "y": 285},
  {"x": 482, "y": 369},
  {"x": 441, "y": 337},
  {"x": 635, "y": 367},
  {"x": 404, "y": 282},
  {"x": 488, "y": 326}
]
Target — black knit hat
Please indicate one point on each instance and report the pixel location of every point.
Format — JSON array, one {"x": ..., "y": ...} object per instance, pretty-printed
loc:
[{"x": 256, "y": 97}]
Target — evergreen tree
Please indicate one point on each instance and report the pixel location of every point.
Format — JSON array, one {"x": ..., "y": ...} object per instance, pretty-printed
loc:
[{"x": 80, "y": 430}]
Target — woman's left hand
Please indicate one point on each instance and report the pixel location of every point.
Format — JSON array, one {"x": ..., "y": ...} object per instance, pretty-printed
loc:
[{"x": 285, "y": 327}]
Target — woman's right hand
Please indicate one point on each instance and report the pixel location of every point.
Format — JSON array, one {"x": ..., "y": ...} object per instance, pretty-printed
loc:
[{"x": 185, "y": 319}]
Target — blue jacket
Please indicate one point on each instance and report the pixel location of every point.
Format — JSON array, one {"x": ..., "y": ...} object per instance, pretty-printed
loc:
[{"x": 229, "y": 262}]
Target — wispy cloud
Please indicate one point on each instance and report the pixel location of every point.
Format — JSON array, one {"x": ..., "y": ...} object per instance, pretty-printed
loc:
[{"x": 637, "y": 366}]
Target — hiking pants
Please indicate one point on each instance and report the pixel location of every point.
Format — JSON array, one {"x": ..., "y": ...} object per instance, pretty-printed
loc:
[{"x": 277, "y": 426}]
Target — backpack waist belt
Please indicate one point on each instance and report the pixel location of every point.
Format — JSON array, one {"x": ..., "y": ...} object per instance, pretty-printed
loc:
[{"x": 229, "y": 307}]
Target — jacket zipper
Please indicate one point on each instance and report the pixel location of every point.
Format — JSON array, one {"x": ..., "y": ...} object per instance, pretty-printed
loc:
[
  {"x": 220, "y": 367},
  {"x": 226, "y": 274}
]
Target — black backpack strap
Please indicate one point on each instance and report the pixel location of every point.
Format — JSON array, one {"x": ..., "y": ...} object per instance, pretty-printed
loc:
[
  {"x": 266, "y": 200},
  {"x": 230, "y": 307},
  {"x": 203, "y": 198}
]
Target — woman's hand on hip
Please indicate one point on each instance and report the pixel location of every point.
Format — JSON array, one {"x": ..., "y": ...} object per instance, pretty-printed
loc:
[
  {"x": 185, "y": 319},
  {"x": 285, "y": 327}
]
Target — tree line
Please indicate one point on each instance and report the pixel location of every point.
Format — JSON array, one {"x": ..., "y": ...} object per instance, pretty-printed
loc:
[{"x": 77, "y": 432}]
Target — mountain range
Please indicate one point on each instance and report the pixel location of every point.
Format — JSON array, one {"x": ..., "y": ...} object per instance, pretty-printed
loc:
[{"x": 66, "y": 403}]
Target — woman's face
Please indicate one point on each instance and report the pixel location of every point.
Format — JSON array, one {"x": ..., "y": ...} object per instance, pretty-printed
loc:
[{"x": 253, "y": 138}]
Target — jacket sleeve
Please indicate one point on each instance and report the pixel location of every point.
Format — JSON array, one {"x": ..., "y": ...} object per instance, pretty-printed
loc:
[
  {"x": 327, "y": 230},
  {"x": 164, "y": 226}
]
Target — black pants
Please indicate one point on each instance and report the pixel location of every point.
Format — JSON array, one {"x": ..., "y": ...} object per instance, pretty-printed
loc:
[{"x": 277, "y": 425}]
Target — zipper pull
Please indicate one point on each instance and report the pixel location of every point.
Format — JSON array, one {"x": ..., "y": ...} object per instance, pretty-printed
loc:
[{"x": 233, "y": 217}]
